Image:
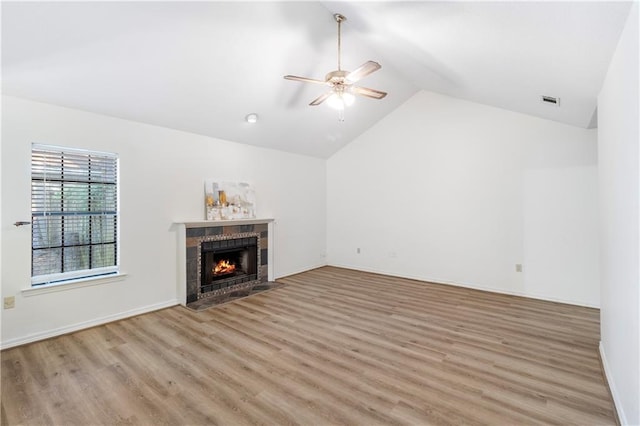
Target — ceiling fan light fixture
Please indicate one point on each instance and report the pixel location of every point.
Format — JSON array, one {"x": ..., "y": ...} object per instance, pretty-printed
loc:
[{"x": 340, "y": 100}]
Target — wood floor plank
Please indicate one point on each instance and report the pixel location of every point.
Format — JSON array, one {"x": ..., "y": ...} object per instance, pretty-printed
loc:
[{"x": 331, "y": 346}]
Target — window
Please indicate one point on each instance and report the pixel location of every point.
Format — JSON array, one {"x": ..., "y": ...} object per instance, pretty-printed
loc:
[{"x": 74, "y": 214}]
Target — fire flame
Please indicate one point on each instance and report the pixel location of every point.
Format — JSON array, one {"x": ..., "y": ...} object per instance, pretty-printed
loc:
[{"x": 224, "y": 267}]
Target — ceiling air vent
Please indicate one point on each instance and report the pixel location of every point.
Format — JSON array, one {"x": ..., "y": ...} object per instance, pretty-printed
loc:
[{"x": 550, "y": 100}]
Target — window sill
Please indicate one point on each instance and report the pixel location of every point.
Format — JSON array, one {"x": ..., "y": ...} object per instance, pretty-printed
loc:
[{"x": 72, "y": 284}]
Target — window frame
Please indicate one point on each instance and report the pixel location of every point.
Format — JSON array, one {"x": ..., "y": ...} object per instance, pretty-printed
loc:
[{"x": 75, "y": 275}]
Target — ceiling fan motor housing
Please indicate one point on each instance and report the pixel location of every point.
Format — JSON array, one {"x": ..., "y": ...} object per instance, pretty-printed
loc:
[{"x": 337, "y": 76}]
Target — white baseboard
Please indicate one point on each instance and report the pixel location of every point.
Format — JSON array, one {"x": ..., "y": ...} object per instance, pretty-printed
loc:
[
  {"x": 466, "y": 285},
  {"x": 612, "y": 386},
  {"x": 87, "y": 324}
]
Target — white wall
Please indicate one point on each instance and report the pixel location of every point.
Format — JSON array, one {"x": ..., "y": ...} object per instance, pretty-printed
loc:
[
  {"x": 619, "y": 175},
  {"x": 162, "y": 181},
  {"x": 457, "y": 192}
]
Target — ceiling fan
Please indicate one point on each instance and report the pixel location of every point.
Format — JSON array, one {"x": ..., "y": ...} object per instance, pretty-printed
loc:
[{"x": 341, "y": 81}]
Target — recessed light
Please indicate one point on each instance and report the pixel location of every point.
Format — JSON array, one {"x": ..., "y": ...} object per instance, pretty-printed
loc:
[{"x": 252, "y": 118}]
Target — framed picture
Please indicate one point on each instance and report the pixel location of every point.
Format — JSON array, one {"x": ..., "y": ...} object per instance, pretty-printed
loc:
[{"x": 229, "y": 200}]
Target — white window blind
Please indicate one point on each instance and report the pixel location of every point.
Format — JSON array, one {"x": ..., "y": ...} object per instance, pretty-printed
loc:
[{"x": 74, "y": 214}]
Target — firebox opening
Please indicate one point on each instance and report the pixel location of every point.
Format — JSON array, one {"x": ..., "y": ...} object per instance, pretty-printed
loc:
[
  {"x": 228, "y": 262},
  {"x": 224, "y": 267}
]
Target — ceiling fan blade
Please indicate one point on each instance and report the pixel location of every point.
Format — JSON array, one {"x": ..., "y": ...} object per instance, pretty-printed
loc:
[
  {"x": 363, "y": 71},
  {"x": 320, "y": 99},
  {"x": 370, "y": 93},
  {"x": 304, "y": 79}
]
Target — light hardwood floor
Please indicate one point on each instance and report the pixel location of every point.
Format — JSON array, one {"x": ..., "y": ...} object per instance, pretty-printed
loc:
[{"x": 333, "y": 346}]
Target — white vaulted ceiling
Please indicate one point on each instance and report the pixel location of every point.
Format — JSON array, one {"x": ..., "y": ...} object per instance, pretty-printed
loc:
[{"x": 202, "y": 66}]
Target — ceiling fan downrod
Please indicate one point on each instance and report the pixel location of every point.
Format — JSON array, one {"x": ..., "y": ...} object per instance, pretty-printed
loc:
[{"x": 339, "y": 19}]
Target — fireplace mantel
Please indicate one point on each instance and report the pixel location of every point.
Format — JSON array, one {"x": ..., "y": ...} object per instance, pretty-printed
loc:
[
  {"x": 214, "y": 223},
  {"x": 190, "y": 234}
]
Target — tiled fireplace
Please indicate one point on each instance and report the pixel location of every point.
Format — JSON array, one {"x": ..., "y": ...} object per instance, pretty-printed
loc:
[{"x": 224, "y": 256}]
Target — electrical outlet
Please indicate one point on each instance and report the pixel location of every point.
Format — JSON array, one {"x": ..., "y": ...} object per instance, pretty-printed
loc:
[
  {"x": 358, "y": 250},
  {"x": 518, "y": 267},
  {"x": 9, "y": 302}
]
